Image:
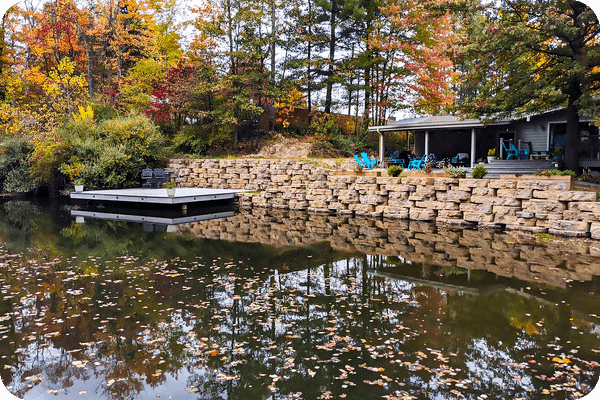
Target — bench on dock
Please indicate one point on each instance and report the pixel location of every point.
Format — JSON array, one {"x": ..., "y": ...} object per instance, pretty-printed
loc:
[{"x": 155, "y": 177}]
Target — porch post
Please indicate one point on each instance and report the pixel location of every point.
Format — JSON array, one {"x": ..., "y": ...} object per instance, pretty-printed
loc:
[
  {"x": 381, "y": 148},
  {"x": 473, "y": 146},
  {"x": 426, "y": 142}
]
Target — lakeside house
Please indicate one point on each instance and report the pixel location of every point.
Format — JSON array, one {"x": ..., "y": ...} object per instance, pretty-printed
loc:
[{"x": 541, "y": 134}]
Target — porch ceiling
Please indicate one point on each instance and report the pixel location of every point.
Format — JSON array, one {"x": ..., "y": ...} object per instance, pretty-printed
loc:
[{"x": 434, "y": 122}]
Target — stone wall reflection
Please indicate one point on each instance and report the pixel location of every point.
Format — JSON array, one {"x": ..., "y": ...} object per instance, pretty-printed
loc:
[{"x": 512, "y": 255}]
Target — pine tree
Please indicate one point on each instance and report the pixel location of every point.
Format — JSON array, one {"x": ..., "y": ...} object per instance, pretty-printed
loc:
[{"x": 534, "y": 56}]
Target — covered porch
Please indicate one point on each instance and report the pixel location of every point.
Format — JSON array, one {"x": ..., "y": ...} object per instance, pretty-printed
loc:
[{"x": 446, "y": 136}]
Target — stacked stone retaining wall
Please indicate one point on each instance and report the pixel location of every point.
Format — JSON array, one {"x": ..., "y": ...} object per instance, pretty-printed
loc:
[{"x": 534, "y": 204}]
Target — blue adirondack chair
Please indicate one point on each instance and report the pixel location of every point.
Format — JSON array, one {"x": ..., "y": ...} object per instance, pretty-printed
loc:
[
  {"x": 522, "y": 154},
  {"x": 417, "y": 163},
  {"x": 397, "y": 161},
  {"x": 510, "y": 152},
  {"x": 369, "y": 162},
  {"x": 359, "y": 161}
]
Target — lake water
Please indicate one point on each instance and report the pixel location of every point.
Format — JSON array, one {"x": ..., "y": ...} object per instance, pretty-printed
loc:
[{"x": 275, "y": 305}]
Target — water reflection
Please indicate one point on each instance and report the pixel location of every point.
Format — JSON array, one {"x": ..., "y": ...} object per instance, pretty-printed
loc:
[
  {"x": 154, "y": 219},
  {"x": 521, "y": 256},
  {"x": 105, "y": 310}
]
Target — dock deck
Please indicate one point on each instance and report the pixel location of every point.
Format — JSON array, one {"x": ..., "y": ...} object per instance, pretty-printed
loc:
[{"x": 158, "y": 196}]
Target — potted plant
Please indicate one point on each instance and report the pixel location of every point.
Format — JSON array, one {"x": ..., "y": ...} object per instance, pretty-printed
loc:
[
  {"x": 73, "y": 170},
  {"x": 78, "y": 183},
  {"x": 170, "y": 186},
  {"x": 491, "y": 155}
]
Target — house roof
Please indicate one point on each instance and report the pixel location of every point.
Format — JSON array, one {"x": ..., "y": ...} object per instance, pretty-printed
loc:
[{"x": 434, "y": 122}]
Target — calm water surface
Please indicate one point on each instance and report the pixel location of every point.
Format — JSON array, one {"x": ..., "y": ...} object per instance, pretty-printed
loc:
[{"x": 267, "y": 305}]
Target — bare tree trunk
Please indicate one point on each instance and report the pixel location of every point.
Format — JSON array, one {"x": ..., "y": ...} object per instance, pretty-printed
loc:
[
  {"x": 573, "y": 136},
  {"x": 3, "y": 49},
  {"x": 350, "y": 85},
  {"x": 366, "y": 112},
  {"x": 273, "y": 36},
  {"x": 114, "y": 24},
  {"x": 308, "y": 72},
  {"x": 332, "y": 43},
  {"x": 88, "y": 57},
  {"x": 230, "y": 37}
]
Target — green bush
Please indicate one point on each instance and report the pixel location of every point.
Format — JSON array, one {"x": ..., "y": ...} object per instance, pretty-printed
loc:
[
  {"x": 103, "y": 110},
  {"x": 331, "y": 141},
  {"x": 15, "y": 174},
  {"x": 325, "y": 126},
  {"x": 106, "y": 154},
  {"x": 587, "y": 177},
  {"x": 554, "y": 172},
  {"x": 479, "y": 172},
  {"x": 111, "y": 153},
  {"x": 456, "y": 172},
  {"x": 394, "y": 170},
  {"x": 196, "y": 139}
]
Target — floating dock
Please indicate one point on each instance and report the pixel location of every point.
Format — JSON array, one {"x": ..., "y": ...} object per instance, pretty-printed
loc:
[{"x": 158, "y": 196}]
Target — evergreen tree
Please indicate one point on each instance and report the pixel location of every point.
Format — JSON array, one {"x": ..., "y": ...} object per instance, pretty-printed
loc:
[{"x": 534, "y": 56}]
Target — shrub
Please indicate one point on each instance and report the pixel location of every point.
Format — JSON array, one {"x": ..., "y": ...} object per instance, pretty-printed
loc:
[
  {"x": 479, "y": 172},
  {"x": 394, "y": 170},
  {"x": 49, "y": 152},
  {"x": 197, "y": 139},
  {"x": 428, "y": 167},
  {"x": 112, "y": 153},
  {"x": 456, "y": 172},
  {"x": 334, "y": 143},
  {"x": 567, "y": 172},
  {"x": 554, "y": 172},
  {"x": 587, "y": 177},
  {"x": 557, "y": 151},
  {"x": 15, "y": 174},
  {"x": 325, "y": 126}
]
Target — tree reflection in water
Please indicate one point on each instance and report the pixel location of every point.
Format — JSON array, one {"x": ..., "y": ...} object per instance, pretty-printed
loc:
[{"x": 234, "y": 321}]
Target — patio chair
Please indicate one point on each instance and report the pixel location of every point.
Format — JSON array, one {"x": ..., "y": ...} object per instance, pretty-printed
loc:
[
  {"x": 359, "y": 161},
  {"x": 396, "y": 160},
  {"x": 369, "y": 162},
  {"x": 522, "y": 154},
  {"x": 417, "y": 163},
  {"x": 461, "y": 159},
  {"x": 148, "y": 177},
  {"x": 159, "y": 176},
  {"x": 510, "y": 152}
]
